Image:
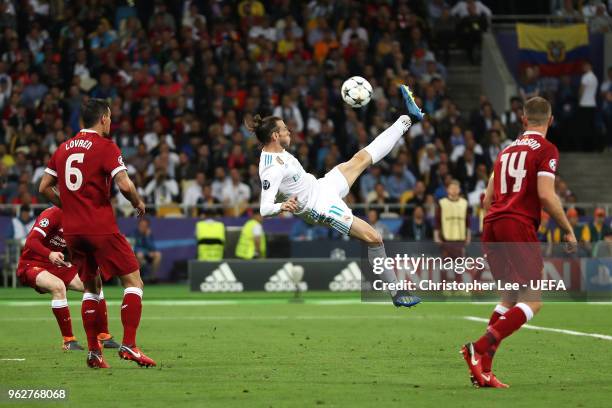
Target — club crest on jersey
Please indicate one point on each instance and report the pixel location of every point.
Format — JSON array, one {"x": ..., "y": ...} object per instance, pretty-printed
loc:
[
  {"x": 266, "y": 184},
  {"x": 279, "y": 160},
  {"x": 553, "y": 164},
  {"x": 120, "y": 160},
  {"x": 44, "y": 222}
]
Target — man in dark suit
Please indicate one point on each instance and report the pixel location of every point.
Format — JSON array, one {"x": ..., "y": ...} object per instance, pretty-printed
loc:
[{"x": 416, "y": 228}]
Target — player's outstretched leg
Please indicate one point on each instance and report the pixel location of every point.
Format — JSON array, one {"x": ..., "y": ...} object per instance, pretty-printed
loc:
[
  {"x": 46, "y": 281},
  {"x": 131, "y": 310},
  {"x": 375, "y": 151},
  {"x": 512, "y": 320},
  {"x": 104, "y": 335},
  {"x": 508, "y": 301},
  {"x": 376, "y": 249},
  {"x": 89, "y": 313}
]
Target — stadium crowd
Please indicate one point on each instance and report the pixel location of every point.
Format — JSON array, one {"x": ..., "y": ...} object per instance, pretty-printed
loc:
[{"x": 182, "y": 76}]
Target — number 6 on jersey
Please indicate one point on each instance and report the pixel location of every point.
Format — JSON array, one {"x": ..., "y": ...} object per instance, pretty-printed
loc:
[{"x": 74, "y": 171}]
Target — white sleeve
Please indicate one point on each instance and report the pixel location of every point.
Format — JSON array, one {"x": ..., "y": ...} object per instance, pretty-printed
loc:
[{"x": 271, "y": 179}]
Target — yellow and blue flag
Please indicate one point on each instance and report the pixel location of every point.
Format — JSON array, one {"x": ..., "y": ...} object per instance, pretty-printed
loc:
[{"x": 556, "y": 50}]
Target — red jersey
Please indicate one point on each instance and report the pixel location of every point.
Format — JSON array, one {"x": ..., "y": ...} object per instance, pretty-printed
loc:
[
  {"x": 84, "y": 167},
  {"x": 515, "y": 179},
  {"x": 46, "y": 236}
]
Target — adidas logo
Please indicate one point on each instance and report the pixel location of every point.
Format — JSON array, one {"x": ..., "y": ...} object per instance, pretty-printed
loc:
[
  {"x": 221, "y": 279},
  {"x": 286, "y": 279},
  {"x": 348, "y": 279}
]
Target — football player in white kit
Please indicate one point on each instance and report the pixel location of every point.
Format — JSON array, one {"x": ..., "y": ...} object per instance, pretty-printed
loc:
[{"x": 319, "y": 201}]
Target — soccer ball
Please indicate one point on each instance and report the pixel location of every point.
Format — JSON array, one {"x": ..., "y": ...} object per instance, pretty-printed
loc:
[{"x": 356, "y": 91}]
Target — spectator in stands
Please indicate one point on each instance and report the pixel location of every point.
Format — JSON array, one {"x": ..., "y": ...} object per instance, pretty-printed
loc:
[
  {"x": 34, "y": 91},
  {"x": 463, "y": 7},
  {"x": 416, "y": 228},
  {"x": 529, "y": 83},
  {"x": 593, "y": 231},
  {"x": 193, "y": 193},
  {"x": 601, "y": 22},
  {"x": 236, "y": 194},
  {"x": 473, "y": 21},
  {"x": 587, "y": 105},
  {"x": 145, "y": 249},
  {"x": 161, "y": 189},
  {"x": 444, "y": 33},
  {"x": 21, "y": 225},
  {"x": 379, "y": 226},
  {"x": 368, "y": 181},
  {"x": 511, "y": 119},
  {"x": 378, "y": 196},
  {"x": 400, "y": 180},
  {"x": 603, "y": 249},
  {"x": 207, "y": 202},
  {"x": 569, "y": 13},
  {"x": 219, "y": 183},
  {"x": 419, "y": 195},
  {"x": 606, "y": 109}
]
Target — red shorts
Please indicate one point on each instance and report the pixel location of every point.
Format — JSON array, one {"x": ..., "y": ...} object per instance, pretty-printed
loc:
[
  {"x": 111, "y": 253},
  {"x": 512, "y": 250},
  {"x": 27, "y": 273}
]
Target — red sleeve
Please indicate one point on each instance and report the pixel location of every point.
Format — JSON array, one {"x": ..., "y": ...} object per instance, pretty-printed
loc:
[
  {"x": 35, "y": 242},
  {"x": 112, "y": 161},
  {"x": 548, "y": 160},
  {"x": 47, "y": 223},
  {"x": 51, "y": 166}
]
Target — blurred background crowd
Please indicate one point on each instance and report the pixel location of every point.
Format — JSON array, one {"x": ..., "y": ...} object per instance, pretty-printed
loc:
[{"x": 181, "y": 77}]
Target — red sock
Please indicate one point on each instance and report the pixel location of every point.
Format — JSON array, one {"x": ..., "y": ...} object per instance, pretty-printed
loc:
[
  {"x": 102, "y": 315},
  {"x": 487, "y": 358},
  {"x": 131, "y": 309},
  {"x": 89, "y": 313},
  {"x": 62, "y": 315},
  {"x": 512, "y": 320}
]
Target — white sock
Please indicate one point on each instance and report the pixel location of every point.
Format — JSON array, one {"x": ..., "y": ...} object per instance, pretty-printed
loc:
[
  {"x": 59, "y": 303},
  {"x": 501, "y": 309},
  {"x": 386, "y": 141},
  {"x": 91, "y": 296},
  {"x": 135, "y": 291},
  {"x": 526, "y": 310}
]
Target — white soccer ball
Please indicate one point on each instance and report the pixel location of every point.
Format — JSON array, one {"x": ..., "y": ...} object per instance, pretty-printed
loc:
[{"x": 356, "y": 91}]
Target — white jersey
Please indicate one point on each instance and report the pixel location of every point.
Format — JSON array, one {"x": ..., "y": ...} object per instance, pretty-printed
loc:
[
  {"x": 282, "y": 176},
  {"x": 319, "y": 200}
]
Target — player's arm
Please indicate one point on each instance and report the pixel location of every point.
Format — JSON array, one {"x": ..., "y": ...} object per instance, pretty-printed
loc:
[
  {"x": 35, "y": 242},
  {"x": 128, "y": 189},
  {"x": 48, "y": 189},
  {"x": 271, "y": 179},
  {"x": 552, "y": 204}
]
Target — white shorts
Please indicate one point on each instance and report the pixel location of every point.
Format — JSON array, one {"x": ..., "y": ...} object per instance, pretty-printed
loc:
[{"x": 329, "y": 209}]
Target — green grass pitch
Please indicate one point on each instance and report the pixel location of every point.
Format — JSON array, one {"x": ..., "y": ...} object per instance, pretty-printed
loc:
[{"x": 259, "y": 350}]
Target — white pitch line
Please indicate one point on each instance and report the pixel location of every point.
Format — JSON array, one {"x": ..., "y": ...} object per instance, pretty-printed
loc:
[
  {"x": 548, "y": 329},
  {"x": 12, "y": 359}
]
